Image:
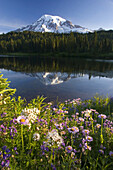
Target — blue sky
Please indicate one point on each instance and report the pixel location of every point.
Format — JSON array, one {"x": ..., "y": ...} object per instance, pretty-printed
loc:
[{"x": 92, "y": 14}]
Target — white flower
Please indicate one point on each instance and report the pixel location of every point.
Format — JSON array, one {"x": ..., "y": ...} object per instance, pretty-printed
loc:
[
  {"x": 37, "y": 128},
  {"x": 28, "y": 111},
  {"x": 4, "y": 102},
  {"x": 87, "y": 113},
  {"x": 31, "y": 114},
  {"x": 32, "y": 117},
  {"x": 36, "y": 136},
  {"x": 53, "y": 138}
]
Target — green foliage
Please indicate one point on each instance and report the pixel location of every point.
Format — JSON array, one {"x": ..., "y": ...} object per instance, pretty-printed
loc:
[
  {"x": 5, "y": 93},
  {"x": 75, "y": 43}
]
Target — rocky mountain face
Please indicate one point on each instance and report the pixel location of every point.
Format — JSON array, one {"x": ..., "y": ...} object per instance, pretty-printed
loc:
[{"x": 55, "y": 24}]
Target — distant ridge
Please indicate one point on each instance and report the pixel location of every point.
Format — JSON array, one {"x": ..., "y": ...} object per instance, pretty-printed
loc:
[{"x": 55, "y": 24}]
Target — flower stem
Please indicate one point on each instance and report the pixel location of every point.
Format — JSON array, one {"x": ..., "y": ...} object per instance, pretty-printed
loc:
[
  {"x": 101, "y": 136},
  {"x": 22, "y": 138}
]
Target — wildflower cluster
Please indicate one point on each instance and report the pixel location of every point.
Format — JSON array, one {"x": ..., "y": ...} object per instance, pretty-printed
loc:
[{"x": 66, "y": 135}]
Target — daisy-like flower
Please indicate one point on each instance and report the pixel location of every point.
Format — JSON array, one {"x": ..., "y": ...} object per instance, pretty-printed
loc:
[
  {"x": 69, "y": 149},
  {"x": 66, "y": 112},
  {"x": 77, "y": 114},
  {"x": 22, "y": 120},
  {"x": 111, "y": 153},
  {"x": 102, "y": 116},
  {"x": 36, "y": 136},
  {"x": 62, "y": 132},
  {"x": 59, "y": 126},
  {"x": 89, "y": 138},
  {"x": 87, "y": 113},
  {"x": 73, "y": 130},
  {"x": 87, "y": 147},
  {"x": 98, "y": 126},
  {"x": 85, "y": 132},
  {"x": 81, "y": 119},
  {"x": 101, "y": 151}
]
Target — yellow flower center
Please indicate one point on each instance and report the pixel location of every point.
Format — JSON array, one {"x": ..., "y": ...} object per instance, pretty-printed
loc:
[
  {"x": 72, "y": 129},
  {"x": 22, "y": 120},
  {"x": 69, "y": 148}
]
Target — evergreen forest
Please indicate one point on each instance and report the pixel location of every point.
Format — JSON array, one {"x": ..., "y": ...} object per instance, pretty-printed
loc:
[{"x": 100, "y": 42}]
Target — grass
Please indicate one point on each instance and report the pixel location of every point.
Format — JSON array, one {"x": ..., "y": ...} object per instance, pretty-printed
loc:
[{"x": 74, "y": 134}]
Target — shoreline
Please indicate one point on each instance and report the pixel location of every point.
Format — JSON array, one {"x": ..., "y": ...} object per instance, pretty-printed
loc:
[{"x": 107, "y": 56}]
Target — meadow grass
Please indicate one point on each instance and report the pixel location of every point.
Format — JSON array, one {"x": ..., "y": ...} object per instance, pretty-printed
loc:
[{"x": 74, "y": 134}]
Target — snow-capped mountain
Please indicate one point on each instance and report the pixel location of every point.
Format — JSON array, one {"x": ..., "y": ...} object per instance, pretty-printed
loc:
[{"x": 56, "y": 24}]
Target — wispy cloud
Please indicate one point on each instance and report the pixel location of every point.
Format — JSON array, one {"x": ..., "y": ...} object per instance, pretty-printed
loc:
[
  {"x": 12, "y": 24},
  {"x": 6, "y": 26}
]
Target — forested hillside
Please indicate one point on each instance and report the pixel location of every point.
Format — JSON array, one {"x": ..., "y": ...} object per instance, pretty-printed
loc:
[{"x": 35, "y": 42}]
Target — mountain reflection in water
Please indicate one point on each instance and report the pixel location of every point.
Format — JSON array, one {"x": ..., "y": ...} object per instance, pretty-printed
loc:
[{"x": 56, "y": 71}]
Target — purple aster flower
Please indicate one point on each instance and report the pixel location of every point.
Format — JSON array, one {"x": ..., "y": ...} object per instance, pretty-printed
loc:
[
  {"x": 89, "y": 138},
  {"x": 85, "y": 132},
  {"x": 63, "y": 144},
  {"x": 7, "y": 150},
  {"x": 59, "y": 126},
  {"x": 81, "y": 119},
  {"x": 5, "y": 156},
  {"x": 101, "y": 151},
  {"x": 69, "y": 149},
  {"x": 111, "y": 153},
  {"x": 3, "y": 114},
  {"x": 98, "y": 126},
  {"x": 87, "y": 147},
  {"x": 22, "y": 120},
  {"x": 2, "y": 163},
  {"x": 80, "y": 145},
  {"x": 73, "y": 130},
  {"x": 75, "y": 150},
  {"x": 53, "y": 167},
  {"x": 102, "y": 116},
  {"x": 4, "y": 147},
  {"x": 15, "y": 148},
  {"x": 7, "y": 163},
  {"x": 2, "y": 126},
  {"x": 81, "y": 127}
]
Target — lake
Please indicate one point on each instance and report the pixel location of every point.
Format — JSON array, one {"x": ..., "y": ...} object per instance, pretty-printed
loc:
[{"x": 63, "y": 78}]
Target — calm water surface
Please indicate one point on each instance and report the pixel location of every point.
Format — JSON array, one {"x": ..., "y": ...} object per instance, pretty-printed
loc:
[{"x": 63, "y": 78}]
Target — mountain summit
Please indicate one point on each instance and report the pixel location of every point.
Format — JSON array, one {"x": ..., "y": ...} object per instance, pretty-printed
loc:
[{"x": 56, "y": 24}]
